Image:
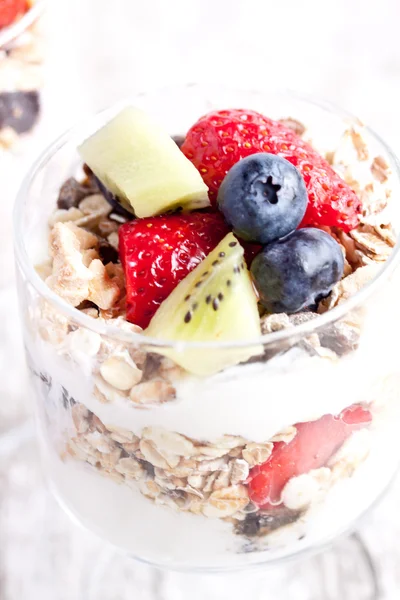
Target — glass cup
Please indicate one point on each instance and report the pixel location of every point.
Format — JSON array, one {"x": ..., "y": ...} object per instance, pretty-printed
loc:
[
  {"x": 263, "y": 461},
  {"x": 21, "y": 74}
]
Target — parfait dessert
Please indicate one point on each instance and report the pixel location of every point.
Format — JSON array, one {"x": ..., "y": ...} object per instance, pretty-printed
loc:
[
  {"x": 207, "y": 330},
  {"x": 21, "y": 59}
]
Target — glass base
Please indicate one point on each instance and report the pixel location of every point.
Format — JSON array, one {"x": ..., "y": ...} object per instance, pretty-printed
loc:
[
  {"x": 46, "y": 556},
  {"x": 346, "y": 571}
]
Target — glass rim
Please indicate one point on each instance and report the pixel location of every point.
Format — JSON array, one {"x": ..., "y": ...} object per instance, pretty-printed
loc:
[
  {"x": 114, "y": 332},
  {"x": 10, "y": 33}
]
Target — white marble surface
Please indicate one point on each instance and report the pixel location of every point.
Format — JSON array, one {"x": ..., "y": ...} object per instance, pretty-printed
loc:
[{"x": 99, "y": 51}]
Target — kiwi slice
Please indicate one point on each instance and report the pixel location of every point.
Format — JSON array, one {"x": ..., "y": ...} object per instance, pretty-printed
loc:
[
  {"x": 138, "y": 162},
  {"x": 216, "y": 302}
]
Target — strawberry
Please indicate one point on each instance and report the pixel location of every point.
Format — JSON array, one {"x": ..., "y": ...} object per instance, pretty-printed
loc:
[
  {"x": 311, "y": 448},
  {"x": 158, "y": 252},
  {"x": 221, "y": 138},
  {"x": 10, "y": 10}
]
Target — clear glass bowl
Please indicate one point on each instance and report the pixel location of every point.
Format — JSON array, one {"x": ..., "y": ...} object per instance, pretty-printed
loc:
[{"x": 164, "y": 465}]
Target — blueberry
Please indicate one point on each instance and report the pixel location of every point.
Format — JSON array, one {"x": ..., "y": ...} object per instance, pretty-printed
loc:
[
  {"x": 113, "y": 200},
  {"x": 19, "y": 110},
  {"x": 263, "y": 197},
  {"x": 298, "y": 271}
]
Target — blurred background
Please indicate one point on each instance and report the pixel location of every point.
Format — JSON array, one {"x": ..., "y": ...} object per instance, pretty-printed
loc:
[{"x": 96, "y": 52}]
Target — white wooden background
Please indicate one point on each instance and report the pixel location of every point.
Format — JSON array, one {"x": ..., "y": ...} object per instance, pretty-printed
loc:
[{"x": 98, "y": 51}]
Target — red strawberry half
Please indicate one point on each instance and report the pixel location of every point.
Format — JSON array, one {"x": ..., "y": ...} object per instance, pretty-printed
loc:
[
  {"x": 311, "y": 448},
  {"x": 158, "y": 252},
  {"x": 10, "y": 10},
  {"x": 221, "y": 138}
]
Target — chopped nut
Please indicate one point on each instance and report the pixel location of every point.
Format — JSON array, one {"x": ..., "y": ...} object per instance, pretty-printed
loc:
[
  {"x": 103, "y": 291},
  {"x": 70, "y": 278},
  {"x": 226, "y": 502},
  {"x": 89, "y": 255},
  {"x": 156, "y": 391},
  {"x": 169, "y": 441},
  {"x": 257, "y": 454},
  {"x": 120, "y": 371}
]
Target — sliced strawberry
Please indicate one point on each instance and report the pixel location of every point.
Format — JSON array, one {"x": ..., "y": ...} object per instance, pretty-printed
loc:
[
  {"x": 221, "y": 138},
  {"x": 158, "y": 252},
  {"x": 10, "y": 10},
  {"x": 311, "y": 448}
]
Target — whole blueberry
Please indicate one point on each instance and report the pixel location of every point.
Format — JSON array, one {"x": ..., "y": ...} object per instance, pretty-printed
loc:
[
  {"x": 297, "y": 271},
  {"x": 263, "y": 197}
]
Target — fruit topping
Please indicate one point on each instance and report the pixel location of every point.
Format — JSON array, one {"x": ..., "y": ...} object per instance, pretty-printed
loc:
[
  {"x": 221, "y": 138},
  {"x": 263, "y": 197},
  {"x": 19, "y": 110},
  {"x": 297, "y": 271},
  {"x": 10, "y": 10},
  {"x": 158, "y": 252},
  {"x": 141, "y": 165},
  {"x": 311, "y": 448},
  {"x": 215, "y": 302}
]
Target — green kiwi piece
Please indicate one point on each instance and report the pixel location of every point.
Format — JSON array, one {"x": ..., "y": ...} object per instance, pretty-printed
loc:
[
  {"x": 216, "y": 302},
  {"x": 137, "y": 161}
]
